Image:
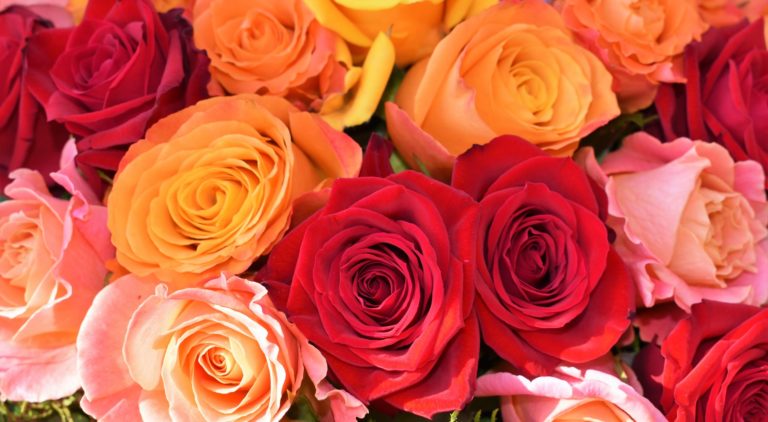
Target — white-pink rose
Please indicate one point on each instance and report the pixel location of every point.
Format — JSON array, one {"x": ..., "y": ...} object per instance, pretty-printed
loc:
[
  {"x": 52, "y": 264},
  {"x": 216, "y": 352},
  {"x": 690, "y": 222},
  {"x": 570, "y": 395}
]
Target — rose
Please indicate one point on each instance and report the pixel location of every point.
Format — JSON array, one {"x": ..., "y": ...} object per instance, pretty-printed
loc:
[
  {"x": 724, "y": 100},
  {"x": 26, "y": 139},
  {"x": 380, "y": 280},
  {"x": 279, "y": 48},
  {"x": 571, "y": 394},
  {"x": 641, "y": 41},
  {"x": 719, "y": 13},
  {"x": 52, "y": 263},
  {"x": 220, "y": 351},
  {"x": 414, "y": 27},
  {"x": 271, "y": 48},
  {"x": 54, "y": 11},
  {"x": 550, "y": 287},
  {"x": 712, "y": 366},
  {"x": 513, "y": 69},
  {"x": 108, "y": 79},
  {"x": 211, "y": 187},
  {"x": 690, "y": 221}
]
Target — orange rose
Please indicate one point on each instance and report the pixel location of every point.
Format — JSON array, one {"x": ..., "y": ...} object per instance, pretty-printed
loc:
[
  {"x": 278, "y": 48},
  {"x": 641, "y": 41},
  {"x": 211, "y": 187},
  {"x": 513, "y": 69},
  {"x": 414, "y": 26}
]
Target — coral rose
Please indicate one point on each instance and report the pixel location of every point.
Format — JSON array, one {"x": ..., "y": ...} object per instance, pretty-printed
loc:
[
  {"x": 111, "y": 77},
  {"x": 413, "y": 26},
  {"x": 713, "y": 366},
  {"x": 550, "y": 287},
  {"x": 220, "y": 351},
  {"x": 690, "y": 222},
  {"x": 211, "y": 187},
  {"x": 726, "y": 97},
  {"x": 380, "y": 280},
  {"x": 52, "y": 264},
  {"x": 513, "y": 69},
  {"x": 277, "y": 48},
  {"x": 641, "y": 41},
  {"x": 26, "y": 138}
]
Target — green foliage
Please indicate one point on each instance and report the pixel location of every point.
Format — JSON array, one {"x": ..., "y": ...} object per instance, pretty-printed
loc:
[
  {"x": 608, "y": 138},
  {"x": 65, "y": 410},
  {"x": 397, "y": 163}
]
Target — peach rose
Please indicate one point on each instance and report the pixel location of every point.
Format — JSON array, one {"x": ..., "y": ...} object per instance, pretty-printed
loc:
[
  {"x": 690, "y": 222},
  {"x": 211, "y": 187},
  {"x": 216, "y": 352},
  {"x": 571, "y": 395},
  {"x": 414, "y": 26},
  {"x": 641, "y": 41},
  {"x": 278, "y": 48},
  {"x": 52, "y": 264},
  {"x": 513, "y": 69}
]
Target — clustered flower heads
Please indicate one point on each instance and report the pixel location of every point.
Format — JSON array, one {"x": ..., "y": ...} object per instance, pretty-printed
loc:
[{"x": 337, "y": 210}]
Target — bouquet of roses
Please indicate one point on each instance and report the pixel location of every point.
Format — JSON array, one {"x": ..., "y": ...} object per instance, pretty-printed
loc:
[{"x": 516, "y": 210}]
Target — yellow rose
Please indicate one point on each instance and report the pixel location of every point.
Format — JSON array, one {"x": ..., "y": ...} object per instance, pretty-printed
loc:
[{"x": 414, "y": 26}]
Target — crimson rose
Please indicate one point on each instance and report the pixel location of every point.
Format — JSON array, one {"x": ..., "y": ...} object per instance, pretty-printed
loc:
[
  {"x": 713, "y": 366},
  {"x": 381, "y": 282},
  {"x": 550, "y": 287},
  {"x": 26, "y": 138},
  {"x": 725, "y": 98},
  {"x": 108, "y": 79}
]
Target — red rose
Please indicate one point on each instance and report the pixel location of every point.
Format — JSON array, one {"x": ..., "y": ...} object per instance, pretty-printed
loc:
[
  {"x": 725, "y": 98},
  {"x": 715, "y": 365},
  {"x": 26, "y": 139},
  {"x": 381, "y": 282},
  {"x": 550, "y": 287},
  {"x": 108, "y": 79}
]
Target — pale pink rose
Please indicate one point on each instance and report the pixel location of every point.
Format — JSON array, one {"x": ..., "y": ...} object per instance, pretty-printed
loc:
[
  {"x": 52, "y": 255},
  {"x": 216, "y": 352},
  {"x": 570, "y": 395},
  {"x": 690, "y": 222}
]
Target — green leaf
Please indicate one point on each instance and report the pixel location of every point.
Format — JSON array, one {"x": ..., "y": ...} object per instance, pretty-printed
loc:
[
  {"x": 608, "y": 137},
  {"x": 397, "y": 163},
  {"x": 454, "y": 416},
  {"x": 301, "y": 410}
]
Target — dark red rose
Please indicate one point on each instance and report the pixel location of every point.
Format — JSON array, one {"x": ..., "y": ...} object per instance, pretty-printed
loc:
[
  {"x": 725, "y": 98},
  {"x": 381, "y": 282},
  {"x": 713, "y": 366},
  {"x": 550, "y": 287},
  {"x": 26, "y": 138},
  {"x": 108, "y": 79}
]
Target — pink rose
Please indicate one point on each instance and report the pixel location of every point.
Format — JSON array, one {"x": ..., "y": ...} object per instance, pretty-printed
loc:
[
  {"x": 216, "y": 352},
  {"x": 52, "y": 264},
  {"x": 690, "y": 222},
  {"x": 571, "y": 395},
  {"x": 53, "y": 10}
]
